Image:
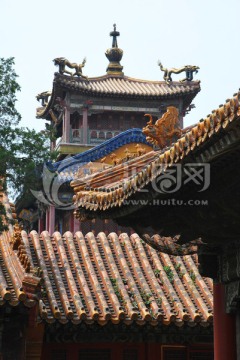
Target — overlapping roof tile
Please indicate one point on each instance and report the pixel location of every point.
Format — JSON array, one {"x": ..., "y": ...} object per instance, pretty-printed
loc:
[
  {"x": 100, "y": 279},
  {"x": 117, "y": 278},
  {"x": 126, "y": 86},
  {"x": 18, "y": 282}
]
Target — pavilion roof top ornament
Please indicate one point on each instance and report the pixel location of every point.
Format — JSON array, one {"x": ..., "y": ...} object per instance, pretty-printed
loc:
[
  {"x": 63, "y": 62},
  {"x": 114, "y": 34},
  {"x": 189, "y": 70},
  {"x": 114, "y": 55}
]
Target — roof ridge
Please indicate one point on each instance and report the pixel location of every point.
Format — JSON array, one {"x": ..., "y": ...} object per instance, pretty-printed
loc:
[{"x": 127, "y": 78}]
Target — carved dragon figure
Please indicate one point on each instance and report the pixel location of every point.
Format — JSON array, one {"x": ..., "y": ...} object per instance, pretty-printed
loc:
[
  {"x": 164, "y": 129},
  {"x": 140, "y": 150},
  {"x": 189, "y": 70},
  {"x": 169, "y": 245},
  {"x": 63, "y": 62},
  {"x": 116, "y": 160},
  {"x": 43, "y": 96}
]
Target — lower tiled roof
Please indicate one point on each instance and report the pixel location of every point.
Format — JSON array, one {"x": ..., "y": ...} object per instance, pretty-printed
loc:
[
  {"x": 117, "y": 278},
  {"x": 76, "y": 278}
]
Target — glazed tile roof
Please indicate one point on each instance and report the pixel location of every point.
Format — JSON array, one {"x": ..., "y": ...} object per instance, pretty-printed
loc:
[
  {"x": 100, "y": 279},
  {"x": 18, "y": 284},
  {"x": 115, "y": 85},
  {"x": 111, "y": 86},
  {"x": 99, "y": 151},
  {"x": 117, "y": 278},
  {"x": 111, "y": 187}
]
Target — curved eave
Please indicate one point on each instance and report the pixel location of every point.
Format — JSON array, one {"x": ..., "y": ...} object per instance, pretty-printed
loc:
[
  {"x": 43, "y": 112},
  {"x": 124, "y": 86},
  {"x": 121, "y": 87}
]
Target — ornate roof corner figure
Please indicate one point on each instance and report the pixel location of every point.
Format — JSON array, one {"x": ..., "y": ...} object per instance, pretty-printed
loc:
[
  {"x": 115, "y": 160},
  {"x": 169, "y": 245},
  {"x": 43, "y": 97},
  {"x": 16, "y": 236},
  {"x": 189, "y": 70},
  {"x": 63, "y": 62},
  {"x": 114, "y": 55},
  {"x": 140, "y": 150},
  {"x": 165, "y": 128}
]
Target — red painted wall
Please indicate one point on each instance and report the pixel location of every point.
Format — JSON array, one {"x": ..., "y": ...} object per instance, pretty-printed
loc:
[{"x": 125, "y": 351}]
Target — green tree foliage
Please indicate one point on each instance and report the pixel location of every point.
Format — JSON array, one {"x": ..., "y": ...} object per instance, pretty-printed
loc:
[{"x": 22, "y": 150}]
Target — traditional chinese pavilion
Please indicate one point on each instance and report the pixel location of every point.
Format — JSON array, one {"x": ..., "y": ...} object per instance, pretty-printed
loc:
[{"x": 87, "y": 112}]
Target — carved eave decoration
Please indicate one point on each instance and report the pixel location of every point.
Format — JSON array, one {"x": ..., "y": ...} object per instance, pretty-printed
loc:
[
  {"x": 165, "y": 129},
  {"x": 52, "y": 104}
]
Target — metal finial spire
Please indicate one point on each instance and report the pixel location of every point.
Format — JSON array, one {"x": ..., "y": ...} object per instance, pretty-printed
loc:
[
  {"x": 114, "y": 34},
  {"x": 114, "y": 55}
]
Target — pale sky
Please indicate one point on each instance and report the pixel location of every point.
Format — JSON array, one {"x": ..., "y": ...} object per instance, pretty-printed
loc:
[{"x": 178, "y": 32}]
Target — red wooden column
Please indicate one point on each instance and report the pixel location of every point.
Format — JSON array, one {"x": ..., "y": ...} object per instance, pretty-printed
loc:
[
  {"x": 47, "y": 220},
  {"x": 51, "y": 219},
  {"x": 40, "y": 225},
  {"x": 66, "y": 125},
  {"x": 85, "y": 126},
  {"x": 52, "y": 145},
  {"x": 76, "y": 225},
  {"x": 224, "y": 327}
]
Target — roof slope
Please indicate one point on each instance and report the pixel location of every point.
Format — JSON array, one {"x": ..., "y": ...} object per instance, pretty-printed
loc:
[
  {"x": 100, "y": 279},
  {"x": 111, "y": 86},
  {"x": 18, "y": 283},
  {"x": 117, "y": 279},
  {"x": 126, "y": 86}
]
